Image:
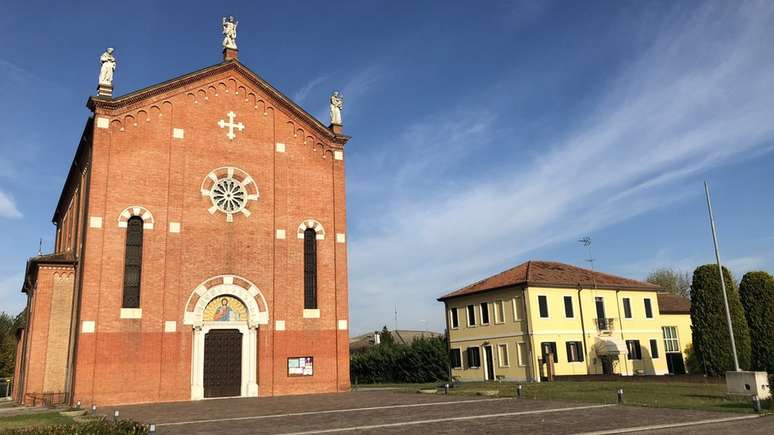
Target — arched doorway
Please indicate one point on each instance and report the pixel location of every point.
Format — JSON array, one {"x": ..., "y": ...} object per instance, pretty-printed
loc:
[{"x": 225, "y": 313}]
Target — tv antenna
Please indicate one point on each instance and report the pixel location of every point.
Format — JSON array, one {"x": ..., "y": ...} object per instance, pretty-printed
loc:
[{"x": 586, "y": 241}]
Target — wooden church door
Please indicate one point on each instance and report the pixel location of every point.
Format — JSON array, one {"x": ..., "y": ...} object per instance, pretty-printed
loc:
[{"x": 223, "y": 363}]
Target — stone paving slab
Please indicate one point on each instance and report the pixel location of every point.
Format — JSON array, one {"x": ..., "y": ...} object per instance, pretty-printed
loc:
[{"x": 393, "y": 412}]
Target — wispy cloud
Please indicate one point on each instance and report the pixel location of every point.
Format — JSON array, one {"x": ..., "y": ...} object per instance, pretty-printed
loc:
[
  {"x": 354, "y": 88},
  {"x": 8, "y": 207},
  {"x": 699, "y": 97},
  {"x": 741, "y": 265},
  {"x": 300, "y": 95}
]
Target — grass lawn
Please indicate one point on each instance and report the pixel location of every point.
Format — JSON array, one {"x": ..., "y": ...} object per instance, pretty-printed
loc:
[
  {"x": 33, "y": 420},
  {"x": 706, "y": 397}
]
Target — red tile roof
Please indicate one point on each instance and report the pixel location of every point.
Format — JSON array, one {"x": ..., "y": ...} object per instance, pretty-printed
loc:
[
  {"x": 551, "y": 274},
  {"x": 669, "y": 303}
]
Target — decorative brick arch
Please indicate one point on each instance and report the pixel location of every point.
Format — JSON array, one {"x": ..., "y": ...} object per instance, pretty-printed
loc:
[
  {"x": 313, "y": 224},
  {"x": 136, "y": 210},
  {"x": 257, "y": 314}
]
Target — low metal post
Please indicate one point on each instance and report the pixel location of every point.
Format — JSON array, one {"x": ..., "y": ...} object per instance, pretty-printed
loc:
[
  {"x": 518, "y": 391},
  {"x": 620, "y": 396},
  {"x": 151, "y": 428},
  {"x": 93, "y": 409},
  {"x": 78, "y": 405},
  {"x": 115, "y": 415},
  {"x": 446, "y": 388},
  {"x": 756, "y": 403}
]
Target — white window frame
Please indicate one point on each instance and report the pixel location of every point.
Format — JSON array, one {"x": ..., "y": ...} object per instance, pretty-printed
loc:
[
  {"x": 467, "y": 315},
  {"x": 516, "y": 302},
  {"x": 521, "y": 355},
  {"x": 572, "y": 307},
  {"x": 645, "y": 311},
  {"x": 500, "y": 348},
  {"x": 499, "y": 314},
  {"x": 548, "y": 307},
  {"x": 488, "y": 312},
  {"x": 451, "y": 318},
  {"x": 676, "y": 339},
  {"x": 623, "y": 303}
]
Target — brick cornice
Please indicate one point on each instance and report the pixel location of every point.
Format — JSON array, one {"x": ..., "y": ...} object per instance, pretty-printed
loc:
[{"x": 110, "y": 104}]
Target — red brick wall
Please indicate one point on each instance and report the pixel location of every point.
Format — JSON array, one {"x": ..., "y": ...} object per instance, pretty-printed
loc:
[{"x": 137, "y": 162}]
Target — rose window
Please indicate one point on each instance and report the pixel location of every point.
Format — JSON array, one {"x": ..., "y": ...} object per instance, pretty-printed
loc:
[{"x": 230, "y": 191}]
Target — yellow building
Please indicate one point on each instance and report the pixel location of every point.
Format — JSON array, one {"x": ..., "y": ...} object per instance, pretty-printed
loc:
[{"x": 510, "y": 325}]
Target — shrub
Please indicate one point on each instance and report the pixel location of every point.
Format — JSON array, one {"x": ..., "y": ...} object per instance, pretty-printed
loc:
[
  {"x": 424, "y": 360},
  {"x": 94, "y": 427},
  {"x": 756, "y": 291},
  {"x": 711, "y": 341}
]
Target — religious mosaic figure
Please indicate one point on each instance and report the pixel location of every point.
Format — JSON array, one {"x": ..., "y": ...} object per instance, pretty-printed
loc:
[
  {"x": 229, "y": 32},
  {"x": 108, "y": 67},
  {"x": 224, "y": 313},
  {"x": 337, "y": 104}
]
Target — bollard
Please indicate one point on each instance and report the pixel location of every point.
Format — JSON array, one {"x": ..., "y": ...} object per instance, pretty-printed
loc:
[
  {"x": 446, "y": 389},
  {"x": 151, "y": 428},
  {"x": 115, "y": 415},
  {"x": 620, "y": 396},
  {"x": 756, "y": 403},
  {"x": 518, "y": 391},
  {"x": 93, "y": 409},
  {"x": 78, "y": 405}
]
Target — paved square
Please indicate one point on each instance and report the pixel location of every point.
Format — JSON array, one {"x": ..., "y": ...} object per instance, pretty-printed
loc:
[{"x": 393, "y": 412}]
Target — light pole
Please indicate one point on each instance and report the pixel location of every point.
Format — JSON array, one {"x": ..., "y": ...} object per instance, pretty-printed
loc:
[{"x": 722, "y": 281}]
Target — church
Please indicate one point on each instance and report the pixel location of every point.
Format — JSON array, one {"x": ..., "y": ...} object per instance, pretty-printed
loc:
[{"x": 200, "y": 248}]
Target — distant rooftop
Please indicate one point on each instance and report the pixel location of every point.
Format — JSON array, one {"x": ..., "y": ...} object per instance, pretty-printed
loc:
[
  {"x": 551, "y": 274},
  {"x": 669, "y": 303}
]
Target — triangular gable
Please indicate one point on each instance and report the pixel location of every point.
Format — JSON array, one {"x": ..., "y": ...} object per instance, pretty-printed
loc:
[{"x": 131, "y": 98}]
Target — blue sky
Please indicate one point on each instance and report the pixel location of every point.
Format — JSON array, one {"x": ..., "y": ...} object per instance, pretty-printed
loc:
[{"x": 483, "y": 136}]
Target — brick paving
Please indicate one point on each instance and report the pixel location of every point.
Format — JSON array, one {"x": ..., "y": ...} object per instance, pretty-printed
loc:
[{"x": 392, "y": 412}]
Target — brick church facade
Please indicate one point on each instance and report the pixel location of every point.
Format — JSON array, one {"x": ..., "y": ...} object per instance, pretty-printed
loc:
[{"x": 200, "y": 251}]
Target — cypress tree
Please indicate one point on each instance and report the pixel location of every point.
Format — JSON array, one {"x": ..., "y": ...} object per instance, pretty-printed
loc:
[
  {"x": 757, "y": 294},
  {"x": 711, "y": 341}
]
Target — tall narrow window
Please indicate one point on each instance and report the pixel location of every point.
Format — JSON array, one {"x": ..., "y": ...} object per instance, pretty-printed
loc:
[
  {"x": 456, "y": 358},
  {"x": 653, "y": 348},
  {"x": 627, "y": 303},
  {"x": 132, "y": 263},
  {"x": 471, "y": 315},
  {"x": 543, "y": 306},
  {"x": 568, "y": 312},
  {"x": 455, "y": 319},
  {"x": 484, "y": 313},
  {"x": 310, "y": 269},
  {"x": 648, "y": 309}
]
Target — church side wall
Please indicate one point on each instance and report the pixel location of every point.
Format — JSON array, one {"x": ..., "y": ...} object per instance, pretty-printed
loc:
[{"x": 156, "y": 156}]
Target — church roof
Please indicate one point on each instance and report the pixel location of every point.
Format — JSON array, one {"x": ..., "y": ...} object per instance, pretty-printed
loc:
[
  {"x": 31, "y": 272},
  {"x": 231, "y": 64},
  {"x": 551, "y": 274}
]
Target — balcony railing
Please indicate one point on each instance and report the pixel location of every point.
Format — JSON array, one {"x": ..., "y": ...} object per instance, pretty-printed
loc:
[{"x": 604, "y": 325}]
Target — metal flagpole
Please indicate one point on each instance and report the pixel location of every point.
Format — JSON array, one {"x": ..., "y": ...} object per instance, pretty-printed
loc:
[{"x": 722, "y": 281}]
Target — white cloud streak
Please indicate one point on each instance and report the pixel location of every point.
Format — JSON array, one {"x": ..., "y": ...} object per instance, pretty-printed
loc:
[
  {"x": 8, "y": 207},
  {"x": 699, "y": 97}
]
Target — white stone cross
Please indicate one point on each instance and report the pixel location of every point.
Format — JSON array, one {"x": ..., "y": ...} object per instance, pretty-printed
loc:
[{"x": 231, "y": 126}]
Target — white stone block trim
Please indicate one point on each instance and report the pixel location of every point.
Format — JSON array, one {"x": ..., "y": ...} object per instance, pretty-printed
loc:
[
  {"x": 338, "y": 155},
  {"x": 87, "y": 327},
  {"x": 279, "y": 325},
  {"x": 342, "y": 325},
  {"x": 280, "y": 147},
  {"x": 341, "y": 238},
  {"x": 102, "y": 122},
  {"x": 280, "y": 234},
  {"x": 311, "y": 313},
  {"x": 174, "y": 227},
  {"x": 131, "y": 313},
  {"x": 136, "y": 210},
  {"x": 170, "y": 326},
  {"x": 313, "y": 224},
  {"x": 95, "y": 221},
  {"x": 178, "y": 133},
  {"x": 228, "y": 279}
]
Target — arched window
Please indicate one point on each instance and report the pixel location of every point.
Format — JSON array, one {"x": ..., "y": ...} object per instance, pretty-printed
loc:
[
  {"x": 133, "y": 262},
  {"x": 310, "y": 269}
]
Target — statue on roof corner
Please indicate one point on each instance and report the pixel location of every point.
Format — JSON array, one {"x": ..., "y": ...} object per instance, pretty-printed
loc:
[
  {"x": 337, "y": 104},
  {"x": 107, "y": 68},
  {"x": 229, "y": 32}
]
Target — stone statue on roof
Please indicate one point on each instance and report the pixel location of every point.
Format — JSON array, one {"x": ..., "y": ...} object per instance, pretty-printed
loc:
[
  {"x": 107, "y": 68},
  {"x": 337, "y": 104},
  {"x": 229, "y": 32}
]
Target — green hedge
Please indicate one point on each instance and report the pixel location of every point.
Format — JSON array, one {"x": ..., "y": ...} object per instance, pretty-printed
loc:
[
  {"x": 424, "y": 360},
  {"x": 757, "y": 294},
  {"x": 94, "y": 427},
  {"x": 711, "y": 341}
]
